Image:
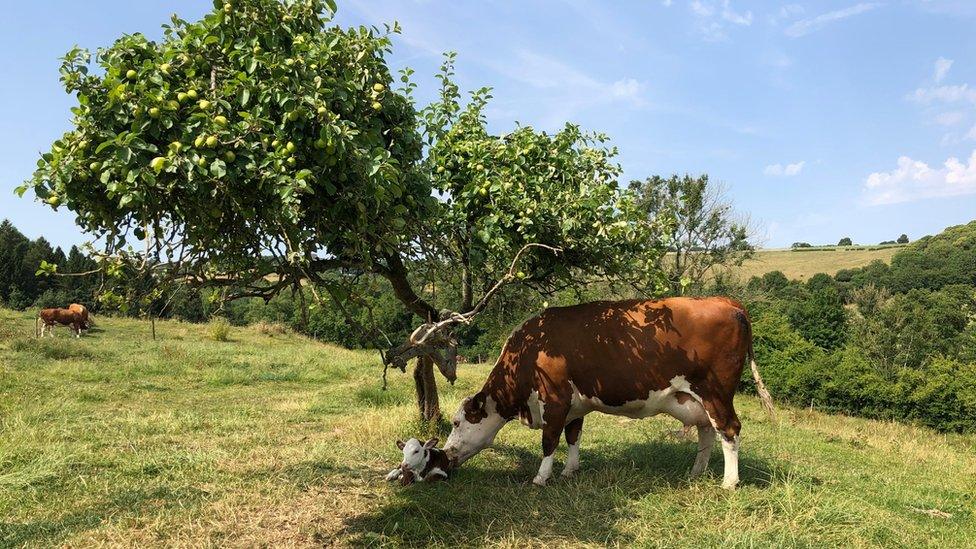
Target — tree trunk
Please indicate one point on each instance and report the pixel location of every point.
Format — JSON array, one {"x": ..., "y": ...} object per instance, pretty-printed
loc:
[{"x": 427, "y": 400}]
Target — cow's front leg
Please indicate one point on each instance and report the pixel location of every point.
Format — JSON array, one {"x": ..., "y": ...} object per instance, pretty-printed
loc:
[
  {"x": 394, "y": 474},
  {"x": 573, "y": 431},
  {"x": 553, "y": 421}
]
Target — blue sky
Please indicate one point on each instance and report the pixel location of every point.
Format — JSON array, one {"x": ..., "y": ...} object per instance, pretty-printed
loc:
[{"x": 822, "y": 119}]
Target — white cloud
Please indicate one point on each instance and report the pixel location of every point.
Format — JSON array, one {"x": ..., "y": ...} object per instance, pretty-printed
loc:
[
  {"x": 950, "y": 118},
  {"x": 715, "y": 15},
  {"x": 915, "y": 180},
  {"x": 789, "y": 170},
  {"x": 806, "y": 26},
  {"x": 942, "y": 66},
  {"x": 944, "y": 94},
  {"x": 564, "y": 89}
]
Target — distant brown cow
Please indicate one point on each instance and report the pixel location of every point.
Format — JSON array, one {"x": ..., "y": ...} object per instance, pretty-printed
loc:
[
  {"x": 83, "y": 311},
  {"x": 679, "y": 356},
  {"x": 65, "y": 317}
]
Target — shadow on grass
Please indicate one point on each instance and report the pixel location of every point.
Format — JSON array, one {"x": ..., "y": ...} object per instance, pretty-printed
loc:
[
  {"x": 55, "y": 531},
  {"x": 487, "y": 501}
]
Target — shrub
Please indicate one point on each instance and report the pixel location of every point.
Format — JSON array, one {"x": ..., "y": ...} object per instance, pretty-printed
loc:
[
  {"x": 218, "y": 329},
  {"x": 846, "y": 241},
  {"x": 818, "y": 315}
]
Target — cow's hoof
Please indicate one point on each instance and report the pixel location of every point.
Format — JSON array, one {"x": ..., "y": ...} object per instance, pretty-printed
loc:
[
  {"x": 567, "y": 473},
  {"x": 539, "y": 481},
  {"x": 730, "y": 485}
]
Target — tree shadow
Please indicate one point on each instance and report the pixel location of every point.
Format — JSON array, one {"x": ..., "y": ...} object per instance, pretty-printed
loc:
[{"x": 490, "y": 501}]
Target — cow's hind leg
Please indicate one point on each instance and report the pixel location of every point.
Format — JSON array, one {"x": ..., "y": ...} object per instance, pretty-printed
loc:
[
  {"x": 726, "y": 422},
  {"x": 573, "y": 431},
  {"x": 706, "y": 440},
  {"x": 555, "y": 420}
]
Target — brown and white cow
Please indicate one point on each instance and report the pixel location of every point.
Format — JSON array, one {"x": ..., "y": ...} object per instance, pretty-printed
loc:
[
  {"x": 679, "y": 356},
  {"x": 66, "y": 317},
  {"x": 83, "y": 311}
]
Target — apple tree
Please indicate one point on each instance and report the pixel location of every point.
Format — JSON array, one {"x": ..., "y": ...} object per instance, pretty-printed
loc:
[{"x": 263, "y": 148}]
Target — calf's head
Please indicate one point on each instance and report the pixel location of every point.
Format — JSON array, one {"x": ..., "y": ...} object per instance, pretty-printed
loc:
[
  {"x": 415, "y": 453},
  {"x": 475, "y": 425}
]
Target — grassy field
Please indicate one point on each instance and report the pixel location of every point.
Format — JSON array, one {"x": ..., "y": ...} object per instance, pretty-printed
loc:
[
  {"x": 274, "y": 440},
  {"x": 803, "y": 265}
]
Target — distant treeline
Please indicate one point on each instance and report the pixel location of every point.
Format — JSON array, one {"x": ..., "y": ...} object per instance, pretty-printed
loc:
[
  {"x": 20, "y": 258},
  {"x": 886, "y": 341}
]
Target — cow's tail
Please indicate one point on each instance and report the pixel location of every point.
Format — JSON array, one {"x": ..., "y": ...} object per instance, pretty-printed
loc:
[{"x": 764, "y": 396}]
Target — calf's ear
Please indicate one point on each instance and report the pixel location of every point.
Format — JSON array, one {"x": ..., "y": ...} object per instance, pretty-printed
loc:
[
  {"x": 400, "y": 444},
  {"x": 431, "y": 443}
]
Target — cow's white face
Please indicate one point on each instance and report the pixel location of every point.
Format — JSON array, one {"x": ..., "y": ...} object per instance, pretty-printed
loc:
[
  {"x": 474, "y": 427},
  {"x": 415, "y": 453}
]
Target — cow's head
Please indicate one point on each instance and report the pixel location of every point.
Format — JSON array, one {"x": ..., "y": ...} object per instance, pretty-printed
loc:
[
  {"x": 415, "y": 453},
  {"x": 475, "y": 425}
]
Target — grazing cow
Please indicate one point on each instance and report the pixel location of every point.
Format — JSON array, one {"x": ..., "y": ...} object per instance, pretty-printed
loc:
[
  {"x": 65, "y": 317},
  {"x": 83, "y": 311},
  {"x": 422, "y": 461},
  {"x": 679, "y": 356}
]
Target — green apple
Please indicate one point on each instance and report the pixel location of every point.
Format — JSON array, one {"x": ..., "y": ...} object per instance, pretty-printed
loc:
[
  {"x": 181, "y": 97},
  {"x": 320, "y": 143},
  {"x": 440, "y": 169},
  {"x": 322, "y": 110},
  {"x": 159, "y": 163},
  {"x": 176, "y": 147},
  {"x": 256, "y": 50},
  {"x": 230, "y": 156},
  {"x": 154, "y": 112},
  {"x": 192, "y": 94},
  {"x": 173, "y": 105},
  {"x": 165, "y": 67},
  {"x": 289, "y": 62},
  {"x": 275, "y": 144},
  {"x": 199, "y": 141},
  {"x": 480, "y": 167},
  {"x": 220, "y": 120},
  {"x": 290, "y": 147},
  {"x": 54, "y": 200},
  {"x": 201, "y": 161},
  {"x": 293, "y": 116},
  {"x": 95, "y": 166},
  {"x": 212, "y": 141},
  {"x": 483, "y": 191},
  {"x": 291, "y": 161},
  {"x": 377, "y": 106},
  {"x": 204, "y": 104},
  {"x": 378, "y": 88},
  {"x": 131, "y": 74},
  {"x": 228, "y": 8},
  {"x": 83, "y": 144}
]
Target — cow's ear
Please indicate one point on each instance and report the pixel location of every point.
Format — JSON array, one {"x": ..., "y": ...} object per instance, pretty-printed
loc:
[
  {"x": 431, "y": 443},
  {"x": 479, "y": 401},
  {"x": 400, "y": 444}
]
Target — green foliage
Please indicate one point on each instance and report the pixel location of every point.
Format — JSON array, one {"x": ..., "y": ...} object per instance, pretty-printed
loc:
[
  {"x": 262, "y": 127},
  {"x": 218, "y": 329},
  {"x": 529, "y": 187},
  {"x": 820, "y": 317},
  {"x": 700, "y": 231},
  {"x": 26, "y": 267},
  {"x": 846, "y": 241}
]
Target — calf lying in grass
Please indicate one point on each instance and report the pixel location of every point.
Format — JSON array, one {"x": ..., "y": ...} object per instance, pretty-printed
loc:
[{"x": 422, "y": 462}]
